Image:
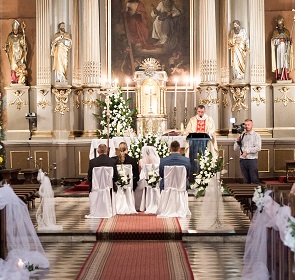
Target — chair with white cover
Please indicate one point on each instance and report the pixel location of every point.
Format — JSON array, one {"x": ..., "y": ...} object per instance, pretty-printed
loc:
[
  {"x": 101, "y": 203},
  {"x": 124, "y": 197},
  {"x": 150, "y": 196},
  {"x": 174, "y": 197}
]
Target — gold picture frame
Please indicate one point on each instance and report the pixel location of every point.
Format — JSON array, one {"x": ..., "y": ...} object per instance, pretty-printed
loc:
[{"x": 132, "y": 38}]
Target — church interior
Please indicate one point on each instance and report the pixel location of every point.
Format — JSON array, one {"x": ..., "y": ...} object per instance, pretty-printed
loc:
[{"x": 65, "y": 63}]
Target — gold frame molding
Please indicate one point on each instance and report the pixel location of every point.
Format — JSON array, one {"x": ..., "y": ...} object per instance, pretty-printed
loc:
[
  {"x": 80, "y": 164},
  {"x": 274, "y": 156},
  {"x": 11, "y": 152},
  {"x": 268, "y": 169},
  {"x": 48, "y": 160}
]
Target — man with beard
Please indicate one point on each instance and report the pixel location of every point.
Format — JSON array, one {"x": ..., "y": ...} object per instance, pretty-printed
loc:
[
  {"x": 60, "y": 45},
  {"x": 238, "y": 42}
]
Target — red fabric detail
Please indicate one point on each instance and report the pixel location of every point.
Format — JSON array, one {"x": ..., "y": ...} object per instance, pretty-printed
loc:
[{"x": 201, "y": 124}]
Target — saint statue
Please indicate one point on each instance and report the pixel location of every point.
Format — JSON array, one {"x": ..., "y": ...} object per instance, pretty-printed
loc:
[
  {"x": 238, "y": 43},
  {"x": 281, "y": 51},
  {"x": 60, "y": 45},
  {"x": 16, "y": 51}
]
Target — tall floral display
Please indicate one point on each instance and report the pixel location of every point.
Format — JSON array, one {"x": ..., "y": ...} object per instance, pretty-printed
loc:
[{"x": 120, "y": 116}]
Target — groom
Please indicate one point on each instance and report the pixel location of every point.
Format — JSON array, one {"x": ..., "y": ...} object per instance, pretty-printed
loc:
[{"x": 175, "y": 158}]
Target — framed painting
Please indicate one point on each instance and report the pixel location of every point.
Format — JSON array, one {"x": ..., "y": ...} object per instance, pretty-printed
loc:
[{"x": 140, "y": 29}]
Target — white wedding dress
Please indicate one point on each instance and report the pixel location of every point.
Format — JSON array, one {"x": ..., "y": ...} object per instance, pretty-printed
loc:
[
  {"x": 212, "y": 211},
  {"x": 22, "y": 240},
  {"x": 45, "y": 214}
]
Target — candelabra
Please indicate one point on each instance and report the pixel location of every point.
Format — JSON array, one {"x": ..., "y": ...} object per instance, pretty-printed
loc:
[
  {"x": 185, "y": 117},
  {"x": 174, "y": 117}
]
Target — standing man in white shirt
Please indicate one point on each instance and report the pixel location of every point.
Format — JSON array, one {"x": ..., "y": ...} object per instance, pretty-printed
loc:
[{"x": 249, "y": 144}]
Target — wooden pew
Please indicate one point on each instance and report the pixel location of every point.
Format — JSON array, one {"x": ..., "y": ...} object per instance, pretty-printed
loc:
[{"x": 3, "y": 246}]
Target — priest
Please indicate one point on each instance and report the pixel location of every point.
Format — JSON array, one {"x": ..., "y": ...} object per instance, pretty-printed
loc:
[{"x": 202, "y": 123}]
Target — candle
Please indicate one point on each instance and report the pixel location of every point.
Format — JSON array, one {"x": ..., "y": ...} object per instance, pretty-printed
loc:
[
  {"x": 127, "y": 85},
  {"x": 186, "y": 85},
  {"x": 175, "y": 92},
  {"x": 20, "y": 263}
]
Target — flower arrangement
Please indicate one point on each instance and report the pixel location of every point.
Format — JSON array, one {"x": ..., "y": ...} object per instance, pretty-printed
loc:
[
  {"x": 289, "y": 239},
  {"x": 120, "y": 116},
  {"x": 123, "y": 178},
  {"x": 208, "y": 167},
  {"x": 258, "y": 198},
  {"x": 2, "y": 150},
  {"x": 153, "y": 178},
  {"x": 137, "y": 144}
]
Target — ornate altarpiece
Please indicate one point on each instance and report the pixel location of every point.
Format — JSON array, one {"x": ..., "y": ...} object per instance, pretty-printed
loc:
[{"x": 150, "y": 87}]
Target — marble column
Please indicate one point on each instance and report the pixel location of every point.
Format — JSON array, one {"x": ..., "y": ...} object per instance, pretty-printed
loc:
[
  {"x": 91, "y": 64},
  {"x": 261, "y": 103},
  {"x": 40, "y": 101},
  {"x": 208, "y": 58}
]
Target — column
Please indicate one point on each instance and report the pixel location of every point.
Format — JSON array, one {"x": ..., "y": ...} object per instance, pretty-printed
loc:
[
  {"x": 208, "y": 58},
  {"x": 91, "y": 64},
  {"x": 261, "y": 103}
]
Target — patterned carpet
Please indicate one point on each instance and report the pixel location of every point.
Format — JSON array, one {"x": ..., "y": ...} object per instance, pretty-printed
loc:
[{"x": 217, "y": 256}]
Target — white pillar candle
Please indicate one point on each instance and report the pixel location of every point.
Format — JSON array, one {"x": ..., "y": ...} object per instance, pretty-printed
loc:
[
  {"x": 127, "y": 86},
  {"x": 20, "y": 263},
  {"x": 175, "y": 93}
]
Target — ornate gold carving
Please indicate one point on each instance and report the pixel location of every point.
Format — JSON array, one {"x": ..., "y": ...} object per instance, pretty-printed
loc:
[
  {"x": 284, "y": 98},
  {"x": 209, "y": 100},
  {"x": 43, "y": 102},
  {"x": 258, "y": 99},
  {"x": 18, "y": 102},
  {"x": 77, "y": 101},
  {"x": 150, "y": 65},
  {"x": 61, "y": 98},
  {"x": 224, "y": 92},
  {"x": 91, "y": 101},
  {"x": 239, "y": 96}
]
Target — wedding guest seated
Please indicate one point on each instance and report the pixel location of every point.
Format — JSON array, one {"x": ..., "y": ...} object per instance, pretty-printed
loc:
[
  {"x": 149, "y": 155},
  {"x": 102, "y": 160},
  {"x": 175, "y": 158},
  {"x": 124, "y": 158}
]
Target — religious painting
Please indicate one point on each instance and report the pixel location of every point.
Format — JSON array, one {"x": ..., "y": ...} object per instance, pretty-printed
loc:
[{"x": 141, "y": 29}]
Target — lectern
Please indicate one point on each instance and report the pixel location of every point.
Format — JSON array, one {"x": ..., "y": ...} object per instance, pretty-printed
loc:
[{"x": 197, "y": 144}]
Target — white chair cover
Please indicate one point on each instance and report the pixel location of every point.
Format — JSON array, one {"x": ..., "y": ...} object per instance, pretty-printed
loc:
[
  {"x": 174, "y": 197},
  {"x": 124, "y": 197},
  {"x": 101, "y": 204},
  {"x": 150, "y": 197}
]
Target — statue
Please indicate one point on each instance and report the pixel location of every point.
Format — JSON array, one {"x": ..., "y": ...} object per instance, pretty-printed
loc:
[
  {"x": 281, "y": 51},
  {"x": 238, "y": 42},
  {"x": 60, "y": 45},
  {"x": 16, "y": 51}
]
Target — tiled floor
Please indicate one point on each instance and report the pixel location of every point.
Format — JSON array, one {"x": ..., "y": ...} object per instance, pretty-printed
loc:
[{"x": 211, "y": 257}]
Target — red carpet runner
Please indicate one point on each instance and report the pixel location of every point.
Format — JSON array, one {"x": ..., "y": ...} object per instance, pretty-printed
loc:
[
  {"x": 139, "y": 227},
  {"x": 134, "y": 260}
]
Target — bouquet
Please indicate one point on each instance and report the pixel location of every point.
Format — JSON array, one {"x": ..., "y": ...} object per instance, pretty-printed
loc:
[
  {"x": 258, "y": 198},
  {"x": 124, "y": 178},
  {"x": 208, "y": 167},
  {"x": 153, "y": 178}
]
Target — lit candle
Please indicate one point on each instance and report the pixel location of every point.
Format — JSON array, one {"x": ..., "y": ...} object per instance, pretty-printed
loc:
[
  {"x": 175, "y": 92},
  {"x": 20, "y": 263},
  {"x": 127, "y": 85},
  {"x": 195, "y": 93},
  {"x": 186, "y": 85}
]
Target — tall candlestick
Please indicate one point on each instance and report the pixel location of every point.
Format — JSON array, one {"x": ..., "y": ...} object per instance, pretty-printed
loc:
[
  {"x": 186, "y": 85},
  {"x": 175, "y": 92}
]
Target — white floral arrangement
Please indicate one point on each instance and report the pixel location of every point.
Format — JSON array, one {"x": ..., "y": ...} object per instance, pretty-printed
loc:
[
  {"x": 154, "y": 140},
  {"x": 120, "y": 116},
  {"x": 153, "y": 178},
  {"x": 124, "y": 178},
  {"x": 258, "y": 198},
  {"x": 289, "y": 239},
  {"x": 208, "y": 167}
]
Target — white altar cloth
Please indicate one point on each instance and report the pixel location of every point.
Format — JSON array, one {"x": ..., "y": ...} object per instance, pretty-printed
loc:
[{"x": 114, "y": 143}]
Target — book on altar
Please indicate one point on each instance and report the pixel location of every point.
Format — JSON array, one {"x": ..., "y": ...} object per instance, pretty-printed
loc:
[
  {"x": 172, "y": 133},
  {"x": 198, "y": 135}
]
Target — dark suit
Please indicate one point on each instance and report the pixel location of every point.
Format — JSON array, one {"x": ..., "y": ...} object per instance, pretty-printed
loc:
[
  {"x": 102, "y": 160},
  {"x": 172, "y": 160},
  {"x": 133, "y": 162}
]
